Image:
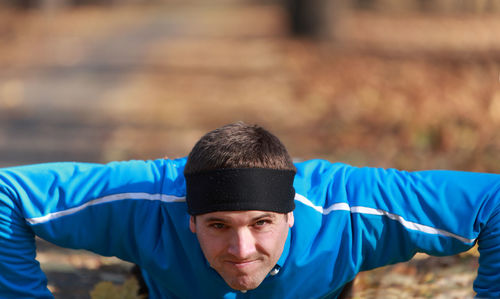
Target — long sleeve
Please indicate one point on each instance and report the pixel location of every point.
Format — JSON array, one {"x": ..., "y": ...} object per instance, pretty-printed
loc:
[
  {"x": 372, "y": 217},
  {"x": 113, "y": 210},
  {"x": 396, "y": 214}
]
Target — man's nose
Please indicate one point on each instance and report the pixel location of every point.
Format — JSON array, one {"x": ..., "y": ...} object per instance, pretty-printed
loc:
[{"x": 242, "y": 244}]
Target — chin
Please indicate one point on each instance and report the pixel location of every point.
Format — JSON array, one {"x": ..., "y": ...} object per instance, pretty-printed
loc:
[{"x": 242, "y": 284}]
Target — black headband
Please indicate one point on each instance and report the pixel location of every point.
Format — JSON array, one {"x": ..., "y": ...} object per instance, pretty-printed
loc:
[{"x": 240, "y": 190}]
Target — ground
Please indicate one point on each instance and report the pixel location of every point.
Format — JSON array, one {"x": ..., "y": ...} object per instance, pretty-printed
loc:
[{"x": 97, "y": 84}]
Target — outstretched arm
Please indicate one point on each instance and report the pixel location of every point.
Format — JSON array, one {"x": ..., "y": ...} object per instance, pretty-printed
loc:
[
  {"x": 400, "y": 213},
  {"x": 112, "y": 209}
]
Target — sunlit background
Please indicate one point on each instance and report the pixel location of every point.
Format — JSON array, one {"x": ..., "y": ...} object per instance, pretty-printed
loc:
[{"x": 411, "y": 84}]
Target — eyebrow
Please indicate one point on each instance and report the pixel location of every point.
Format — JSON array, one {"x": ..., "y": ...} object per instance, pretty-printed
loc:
[
  {"x": 266, "y": 215},
  {"x": 221, "y": 219}
]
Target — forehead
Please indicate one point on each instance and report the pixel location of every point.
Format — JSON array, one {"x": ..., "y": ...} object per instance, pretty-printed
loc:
[{"x": 236, "y": 216}]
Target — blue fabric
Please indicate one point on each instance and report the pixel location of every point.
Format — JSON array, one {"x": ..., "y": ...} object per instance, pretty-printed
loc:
[{"x": 347, "y": 220}]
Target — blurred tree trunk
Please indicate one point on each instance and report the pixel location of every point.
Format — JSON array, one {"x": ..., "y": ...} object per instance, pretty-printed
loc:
[
  {"x": 23, "y": 4},
  {"x": 314, "y": 18},
  {"x": 364, "y": 4},
  {"x": 427, "y": 5}
]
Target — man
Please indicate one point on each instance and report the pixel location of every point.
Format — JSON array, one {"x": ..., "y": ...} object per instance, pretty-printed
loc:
[{"x": 238, "y": 219}]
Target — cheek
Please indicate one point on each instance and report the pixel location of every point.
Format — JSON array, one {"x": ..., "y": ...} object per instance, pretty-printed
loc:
[
  {"x": 211, "y": 246},
  {"x": 273, "y": 243},
  {"x": 281, "y": 239}
]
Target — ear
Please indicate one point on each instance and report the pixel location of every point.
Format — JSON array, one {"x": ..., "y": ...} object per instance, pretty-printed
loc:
[
  {"x": 290, "y": 219},
  {"x": 192, "y": 225}
]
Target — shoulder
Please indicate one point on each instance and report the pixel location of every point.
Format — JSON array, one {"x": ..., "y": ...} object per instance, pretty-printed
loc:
[
  {"x": 320, "y": 183},
  {"x": 318, "y": 171}
]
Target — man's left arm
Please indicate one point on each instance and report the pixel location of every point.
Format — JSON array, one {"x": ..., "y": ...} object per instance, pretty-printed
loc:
[{"x": 398, "y": 213}]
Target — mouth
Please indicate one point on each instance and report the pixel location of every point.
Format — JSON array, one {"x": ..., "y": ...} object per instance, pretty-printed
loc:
[{"x": 242, "y": 264}]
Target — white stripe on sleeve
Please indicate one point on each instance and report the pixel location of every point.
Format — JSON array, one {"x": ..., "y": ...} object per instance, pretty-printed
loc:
[{"x": 106, "y": 199}]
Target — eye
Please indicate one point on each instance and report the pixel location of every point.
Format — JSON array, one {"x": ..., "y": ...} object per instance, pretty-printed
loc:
[
  {"x": 261, "y": 223},
  {"x": 217, "y": 225}
]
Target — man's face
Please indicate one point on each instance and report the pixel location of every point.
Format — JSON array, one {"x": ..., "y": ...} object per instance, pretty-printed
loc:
[{"x": 242, "y": 246}]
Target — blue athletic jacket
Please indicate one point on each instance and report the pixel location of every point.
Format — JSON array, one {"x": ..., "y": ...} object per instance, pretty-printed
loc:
[{"x": 347, "y": 220}]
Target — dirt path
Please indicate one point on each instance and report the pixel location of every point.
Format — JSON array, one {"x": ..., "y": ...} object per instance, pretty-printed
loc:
[{"x": 70, "y": 73}]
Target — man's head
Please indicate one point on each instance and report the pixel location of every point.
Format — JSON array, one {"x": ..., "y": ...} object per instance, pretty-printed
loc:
[
  {"x": 238, "y": 145},
  {"x": 240, "y": 195}
]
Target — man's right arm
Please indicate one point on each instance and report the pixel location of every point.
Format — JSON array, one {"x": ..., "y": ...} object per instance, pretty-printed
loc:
[{"x": 112, "y": 209}]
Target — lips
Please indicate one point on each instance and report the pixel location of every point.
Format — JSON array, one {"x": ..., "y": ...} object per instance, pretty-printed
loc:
[{"x": 242, "y": 264}]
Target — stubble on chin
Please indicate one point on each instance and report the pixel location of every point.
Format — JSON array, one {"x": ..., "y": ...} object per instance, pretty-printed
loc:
[{"x": 245, "y": 281}]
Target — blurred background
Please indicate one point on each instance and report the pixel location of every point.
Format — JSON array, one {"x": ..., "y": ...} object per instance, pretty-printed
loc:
[{"x": 410, "y": 84}]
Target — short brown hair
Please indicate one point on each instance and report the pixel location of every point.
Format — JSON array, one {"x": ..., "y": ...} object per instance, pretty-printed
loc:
[{"x": 238, "y": 145}]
